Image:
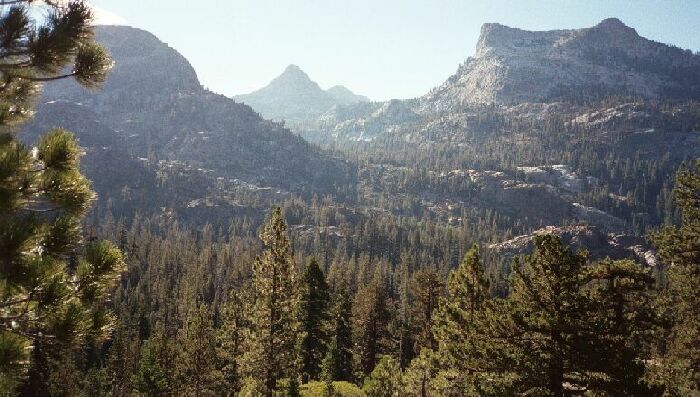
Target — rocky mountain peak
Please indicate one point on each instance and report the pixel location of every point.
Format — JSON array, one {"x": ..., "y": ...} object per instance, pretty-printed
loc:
[
  {"x": 144, "y": 67},
  {"x": 513, "y": 66},
  {"x": 133, "y": 47},
  {"x": 294, "y": 70},
  {"x": 614, "y": 25},
  {"x": 293, "y": 96},
  {"x": 496, "y": 35},
  {"x": 293, "y": 75},
  {"x": 611, "y": 33}
]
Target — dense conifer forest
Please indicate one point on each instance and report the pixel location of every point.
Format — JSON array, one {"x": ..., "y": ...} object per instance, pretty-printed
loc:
[{"x": 360, "y": 291}]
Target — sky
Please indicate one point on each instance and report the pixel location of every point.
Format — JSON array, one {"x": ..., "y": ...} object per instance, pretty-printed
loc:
[{"x": 380, "y": 48}]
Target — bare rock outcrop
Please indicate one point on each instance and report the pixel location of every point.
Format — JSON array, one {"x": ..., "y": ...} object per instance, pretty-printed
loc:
[
  {"x": 514, "y": 66},
  {"x": 598, "y": 244}
]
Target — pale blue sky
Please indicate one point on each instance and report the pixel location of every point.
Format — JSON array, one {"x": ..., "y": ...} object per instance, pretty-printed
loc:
[{"x": 380, "y": 48}]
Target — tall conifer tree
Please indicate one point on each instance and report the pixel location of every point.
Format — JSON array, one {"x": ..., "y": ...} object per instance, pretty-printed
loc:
[
  {"x": 271, "y": 352},
  {"x": 313, "y": 315},
  {"x": 230, "y": 336},
  {"x": 469, "y": 329},
  {"x": 196, "y": 359},
  {"x": 426, "y": 290},
  {"x": 370, "y": 321},
  {"x": 338, "y": 362},
  {"x": 578, "y": 328}
]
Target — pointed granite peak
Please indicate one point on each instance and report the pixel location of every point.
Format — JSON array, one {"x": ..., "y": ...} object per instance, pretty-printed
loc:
[
  {"x": 294, "y": 72},
  {"x": 293, "y": 96},
  {"x": 292, "y": 68},
  {"x": 615, "y": 26}
]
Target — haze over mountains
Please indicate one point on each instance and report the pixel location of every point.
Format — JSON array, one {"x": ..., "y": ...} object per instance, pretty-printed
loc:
[
  {"x": 156, "y": 109},
  {"x": 517, "y": 134},
  {"x": 293, "y": 96}
]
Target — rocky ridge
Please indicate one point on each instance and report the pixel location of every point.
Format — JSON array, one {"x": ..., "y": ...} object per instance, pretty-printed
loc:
[
  {"x": 512, "y": 66},
  {"x": 536, "y": 76},
  {"x": 600, "y": 245}
]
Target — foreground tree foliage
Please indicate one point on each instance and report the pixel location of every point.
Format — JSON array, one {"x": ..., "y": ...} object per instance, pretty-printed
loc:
[
  {"x": 51, "y": 284},
  {"x": 152, "y": 377},
  {"x": 576, "y": 327},
  {"x": 370, "y": 333},
  {"x": 678, "y": 368},
  {"x": 197, "y": 372},
  {"x": 470, "y": 328}
]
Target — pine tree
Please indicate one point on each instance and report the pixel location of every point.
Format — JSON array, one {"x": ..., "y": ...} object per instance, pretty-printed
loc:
[
  {"x": 151, "y": 377},
  {"x": 621, "y": 325},
  {"x": 271, "y": 350},
  {"x": 230, "y": 336},
  {"x": 370, "y": 320},
  {"x": 43, "y": 196},
  {"x": 469, "y": 327},
  {"x": 313, "y": 315},
  {"x": 418, "y": 379},
  {"x": 548, "y": 313},
  {"x": 121, "y": 362},
  {"x": 196, "y": 359},
  {"x": 679, "y": 248},
  {"x": 338, "y": 362},
  {"x": 402, "y": 327},
  {"x": 426, "y": 289},
  {"x": 577, "y": 327}
]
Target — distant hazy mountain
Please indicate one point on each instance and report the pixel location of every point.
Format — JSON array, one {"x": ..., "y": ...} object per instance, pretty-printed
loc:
[
  {"x": 515, "y": 66},
  {"x": 155, "y": 106},
  {"x": 293, "y": 96}
]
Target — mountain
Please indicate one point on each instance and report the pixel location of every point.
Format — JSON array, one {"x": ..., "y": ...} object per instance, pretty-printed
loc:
[
  {"x": 538, "y": 128},
  {"x": 515, "y": 66},
  {"x": 293, "y": 96},
  {"x": 343, "y": 96},
  {"x": 161, "y": 140},
  {"x": 533, "y": 76},
  {"x": 154, "y": 112}
]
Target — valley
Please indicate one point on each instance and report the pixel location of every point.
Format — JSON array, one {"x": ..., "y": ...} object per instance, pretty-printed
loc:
[
  {"x": 529, "y": 226},
  {"x": 576, "y": 160}
]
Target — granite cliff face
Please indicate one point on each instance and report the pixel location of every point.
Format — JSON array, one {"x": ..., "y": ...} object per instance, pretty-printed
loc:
[
  {"x": 529, "y": 77},
  {"x": 514, "y": 66},
  {"x": 294, "y": 97}
]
